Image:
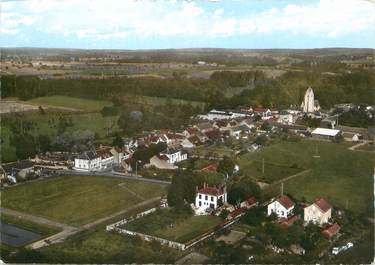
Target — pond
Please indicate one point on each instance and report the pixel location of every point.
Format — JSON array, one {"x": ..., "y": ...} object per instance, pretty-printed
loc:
[{"x": 14, "y": 236}]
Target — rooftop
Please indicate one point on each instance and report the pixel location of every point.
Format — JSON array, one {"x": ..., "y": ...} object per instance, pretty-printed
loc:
[
  {"x": 323, "y": 205},
  {"x": 285, "y": 201},
  {"x": 326, "y": 132}
]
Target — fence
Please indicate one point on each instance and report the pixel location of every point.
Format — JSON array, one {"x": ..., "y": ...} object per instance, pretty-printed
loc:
[{"x": 181, "y": 246}]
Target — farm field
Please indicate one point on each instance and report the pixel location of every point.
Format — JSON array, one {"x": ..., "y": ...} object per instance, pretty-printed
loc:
[
  {"x": 272, "y": 172},
  {"x": 78, "y": 200},
  {"x": 180, "y": 227},
  {"x": 342, "y": 176},
  {"x": 71, "y": 102}
]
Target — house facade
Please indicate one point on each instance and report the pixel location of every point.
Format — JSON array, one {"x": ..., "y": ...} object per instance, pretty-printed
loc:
[
  {"x": 209, "y": 198},
  {"x": 283, "y": 207},
  {"x": 318, "y": 213},
  {"x": 87, "y": 161},
  {"x": 174, "y": 155}
]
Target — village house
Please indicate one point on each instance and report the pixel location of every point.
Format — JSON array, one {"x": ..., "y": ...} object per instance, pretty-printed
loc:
[
  {"x": 264, "y": 113},
  {"x": 87, "y": 161},
  {"x": 318, "y": 213},
  {"x": 174, "y": 155},
  {"x": 283, "y": 207},
  {"x": 186, "y": 143},
  {"x": 161, "y": 162},
  {"x": 106, "y": 157},
  {"x": 209, "y": 198},
  {"x": 119, "y": 155}
]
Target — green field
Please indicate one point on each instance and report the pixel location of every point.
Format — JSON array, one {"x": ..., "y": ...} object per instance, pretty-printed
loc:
[
  {"x": 342, "y": 176},
  {"x": 95, "y": 245},
  {"x": 168, "y": 224},
  {"x": 47, "y": 124},
  {"x": 213, "y": 151},
  {"x": 272, "y": 172},
  {"x": 71, "y": 102},
  {"x": 78, "y": 200}
]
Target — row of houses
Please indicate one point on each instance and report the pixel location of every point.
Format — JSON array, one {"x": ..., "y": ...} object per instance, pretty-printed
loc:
[{"x": 319, "y": 213}]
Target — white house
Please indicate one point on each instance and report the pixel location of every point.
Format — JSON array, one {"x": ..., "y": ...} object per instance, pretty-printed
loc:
[
  {"x": 283, "y": 207},
  {"x": 208, "y": 198},
  {"x": 87, "y": 161},
  {"x": 106, "y": 158},
  {"x": 318, "y": 213},
  {"x": 174, "y": 155}
]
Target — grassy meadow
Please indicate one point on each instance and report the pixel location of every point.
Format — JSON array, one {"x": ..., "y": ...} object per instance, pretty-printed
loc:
[
  {"x": 77, "y": 200},
  {"x": 342, "y": 176}
]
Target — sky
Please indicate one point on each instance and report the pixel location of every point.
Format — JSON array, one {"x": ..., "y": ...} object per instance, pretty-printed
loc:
[{"x": 164, "y": 24}]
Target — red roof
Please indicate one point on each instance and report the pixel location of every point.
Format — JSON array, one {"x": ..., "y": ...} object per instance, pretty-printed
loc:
[
  {"x": 260, "y": 110},
  {"x": 332, "y": 230},
  {"x": 211, "y": 167},
  {"x": 290, "y": 221},
  {"x": 211, "y": 191},
  {"x": 251, "y": 201},
  {"x": 237, "y": 212},
  {"x": 104, "y": 152},
  {"x": 192, "y": 130},
  {"x": 163, "y": 157},
  {"x": 213, "y": 134},
  {"x": 323, "y": 205},
  {"x": 285, "y": 201}
]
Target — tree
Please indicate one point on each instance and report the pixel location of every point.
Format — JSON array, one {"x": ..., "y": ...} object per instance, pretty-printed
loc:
[
  {"x": 109, "y": 111},
  {"x": 242, "y": 190},
  {"x": 226, "y": 166},
  {"x": 118, "y": 141},
  {"x": 25, "y": 145},
  {"x": 44, "y": 143}
]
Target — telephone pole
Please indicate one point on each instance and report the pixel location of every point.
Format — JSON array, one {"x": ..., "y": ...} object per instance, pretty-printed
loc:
[{"x": 263, "y": 166}]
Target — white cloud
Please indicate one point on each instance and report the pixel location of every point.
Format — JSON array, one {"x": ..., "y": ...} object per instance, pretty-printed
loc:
[{"x": 116, "y": 19}]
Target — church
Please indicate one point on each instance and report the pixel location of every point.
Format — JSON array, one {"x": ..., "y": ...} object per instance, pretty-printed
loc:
[{"x": 309, "y": 104}]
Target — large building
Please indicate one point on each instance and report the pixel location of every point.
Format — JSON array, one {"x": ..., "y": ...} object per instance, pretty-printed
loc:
[
  {"x": 209, "y": 198},
  {"x": 309, "y": 104}
]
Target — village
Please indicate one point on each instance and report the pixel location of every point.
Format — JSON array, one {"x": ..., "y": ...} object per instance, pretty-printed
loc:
[{"x": 214, "y": 145}]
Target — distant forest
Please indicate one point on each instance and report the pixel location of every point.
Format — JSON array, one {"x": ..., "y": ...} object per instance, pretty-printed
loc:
[{"x": 288, "y": 89}]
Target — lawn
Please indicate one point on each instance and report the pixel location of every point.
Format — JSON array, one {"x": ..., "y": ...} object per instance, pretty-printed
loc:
[
  {"x": 77, "y": 200},
  {"x": 272, "y": 172},
  {"x": 342, "y": 176},
  {"x": 71, "y": 102},
  {"x": 168, "y": 224}
]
